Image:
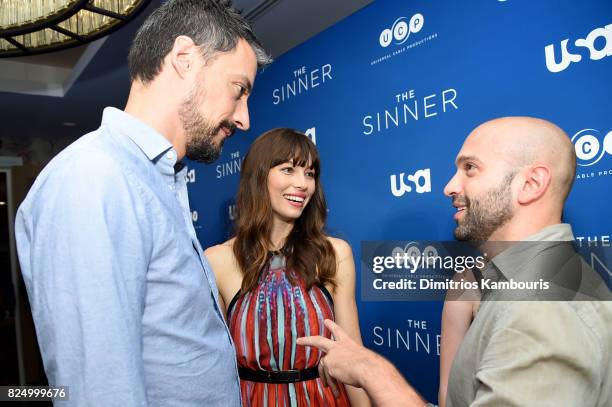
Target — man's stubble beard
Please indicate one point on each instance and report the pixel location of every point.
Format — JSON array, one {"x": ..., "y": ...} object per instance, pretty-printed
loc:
[
  {"x": 199, "y": 131},
  {"x": 486, "y": 214}
]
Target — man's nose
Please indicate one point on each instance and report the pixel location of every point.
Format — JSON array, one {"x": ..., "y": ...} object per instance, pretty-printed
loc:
[
  {"x": 452, "y": 187},
  {"x": 241, "y": 115}
]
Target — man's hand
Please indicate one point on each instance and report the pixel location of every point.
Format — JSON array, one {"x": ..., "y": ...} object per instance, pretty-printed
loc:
[
  {"x": 344, "y": 360},
  {"x": 350, "y": 363}
]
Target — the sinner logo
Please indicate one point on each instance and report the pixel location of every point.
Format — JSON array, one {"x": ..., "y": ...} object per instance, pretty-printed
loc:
[
  {"x": 410, "y": 107},
  {"x": 304, "y": 80},
  {"x": 230, "y": 167},
  {"x": 414, "y": 336},
  {"x": 420, "y": 179},
  {"x": 605, "y": 49},
  {"x": 401, "y": 30}
]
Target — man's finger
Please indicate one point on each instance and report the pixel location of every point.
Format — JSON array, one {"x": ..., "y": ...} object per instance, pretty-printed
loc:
[
  {"x": 333, "y": 384},
  {"x": 320, "y": 342},
  {"x": 322, "y": 375},
  {"x": 328, "y": 379},
  {"x": 335, "y": 329}
]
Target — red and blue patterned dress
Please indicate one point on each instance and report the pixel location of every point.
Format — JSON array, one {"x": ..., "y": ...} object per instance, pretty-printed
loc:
[{"x": 265, "y": 324}]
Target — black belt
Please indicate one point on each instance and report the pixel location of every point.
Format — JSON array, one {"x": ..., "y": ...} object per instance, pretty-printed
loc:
[{"x": 282, "y": 376}]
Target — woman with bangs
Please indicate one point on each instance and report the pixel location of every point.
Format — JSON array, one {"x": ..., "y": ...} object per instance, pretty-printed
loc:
[{"x": 280, "y": 277}]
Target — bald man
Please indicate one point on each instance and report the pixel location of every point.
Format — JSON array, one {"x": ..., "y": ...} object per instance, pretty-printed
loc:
[{"x": 513, "y": 176}]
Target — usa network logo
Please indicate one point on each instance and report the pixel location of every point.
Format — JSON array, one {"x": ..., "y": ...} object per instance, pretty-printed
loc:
[
  {"x": 402, "y": 183},
  {"x": 398, "y": 34},
  {"x": 597, "y": 49},
  {"x": 232, "y": 212},
  {"x": 311, "y": 133},
  {"x": 401, "y": 29},
  {"x": 591, "y": 147}
]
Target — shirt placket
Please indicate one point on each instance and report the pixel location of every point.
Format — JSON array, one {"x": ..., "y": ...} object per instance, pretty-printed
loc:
[{"x": 181, "y": 193}]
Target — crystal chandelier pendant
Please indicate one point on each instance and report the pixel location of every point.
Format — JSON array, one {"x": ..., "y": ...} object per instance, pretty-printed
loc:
[{"x": 30, "y": 27}]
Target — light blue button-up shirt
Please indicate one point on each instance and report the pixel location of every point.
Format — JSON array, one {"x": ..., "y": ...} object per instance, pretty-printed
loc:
[{"x": 124, "y": 302}]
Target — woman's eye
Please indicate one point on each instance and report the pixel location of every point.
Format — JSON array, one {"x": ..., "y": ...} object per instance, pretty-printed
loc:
[
  {"x": 287, "y": 170},
  {"x": 310, "y": 174}
]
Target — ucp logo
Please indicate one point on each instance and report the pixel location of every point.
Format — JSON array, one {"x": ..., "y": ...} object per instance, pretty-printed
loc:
[
  {"x": 401, "y": 29},
  {"x": 413, "y": 251},
  {"x": 589, "y": 43},
  {"x": 421, "y": 180},
  {"x": 589, "y": 150}
]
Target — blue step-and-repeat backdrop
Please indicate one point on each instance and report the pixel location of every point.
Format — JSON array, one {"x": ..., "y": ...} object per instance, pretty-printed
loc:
[{"x": 390, "y": 93}]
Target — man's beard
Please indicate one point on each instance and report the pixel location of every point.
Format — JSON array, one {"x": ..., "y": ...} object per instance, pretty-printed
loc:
[
  {"x": 486, "y": 214},
  {"x": 200, "y": 132}
]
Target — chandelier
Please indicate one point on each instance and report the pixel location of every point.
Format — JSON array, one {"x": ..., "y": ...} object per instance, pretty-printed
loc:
[{"x": 30, "y": 27}]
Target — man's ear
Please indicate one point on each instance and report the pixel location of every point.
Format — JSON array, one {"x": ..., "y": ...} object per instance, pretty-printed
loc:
[
  {"x": 182, "y": 56},
  {"x": 537, "y": 181}
]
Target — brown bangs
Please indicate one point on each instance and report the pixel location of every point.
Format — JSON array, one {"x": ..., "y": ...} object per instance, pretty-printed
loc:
[{"x": 296, "y": 149}]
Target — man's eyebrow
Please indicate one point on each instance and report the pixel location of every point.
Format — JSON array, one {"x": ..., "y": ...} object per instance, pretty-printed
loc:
[{"x": 463, "y": 158}]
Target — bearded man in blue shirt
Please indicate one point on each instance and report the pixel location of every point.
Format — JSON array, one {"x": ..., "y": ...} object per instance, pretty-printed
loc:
[{"x": 125, "y": 304}]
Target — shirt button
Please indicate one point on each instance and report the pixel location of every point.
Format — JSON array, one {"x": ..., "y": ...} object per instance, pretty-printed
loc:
[{"x": 170, "y": 155}]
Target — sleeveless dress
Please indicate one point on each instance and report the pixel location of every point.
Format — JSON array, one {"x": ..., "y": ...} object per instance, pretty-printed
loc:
[{"x": 265, "y": 324}]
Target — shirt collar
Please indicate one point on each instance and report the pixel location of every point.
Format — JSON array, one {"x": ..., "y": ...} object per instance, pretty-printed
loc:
[
  {"x": 513, "y": 259},
  {"x": 152, "y": 143},
  {"x": 561, "y": 232}
]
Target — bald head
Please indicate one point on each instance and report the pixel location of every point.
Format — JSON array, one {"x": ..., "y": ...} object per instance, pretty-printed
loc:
[{"x": 521, "y": 141}]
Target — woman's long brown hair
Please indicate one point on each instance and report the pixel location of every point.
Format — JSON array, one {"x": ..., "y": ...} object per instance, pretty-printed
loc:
[{"x": 308, "y": 251}]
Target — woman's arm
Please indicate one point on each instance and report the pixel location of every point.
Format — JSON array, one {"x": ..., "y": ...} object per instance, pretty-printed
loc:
[
  {"x": 456, "y": 319},
  {"x": 228, "y": 276},
  {"x": 345, "y": 308},
  {"x": 457, "y": 316}
]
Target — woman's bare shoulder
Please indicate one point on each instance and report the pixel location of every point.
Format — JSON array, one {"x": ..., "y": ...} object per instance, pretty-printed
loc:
[
  {"x": 341, "y": 247},
  {"x": 221, "y": 252}
]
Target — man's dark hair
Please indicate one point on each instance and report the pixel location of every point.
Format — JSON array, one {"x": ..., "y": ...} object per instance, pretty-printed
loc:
[{"x": 212, "y": 24}]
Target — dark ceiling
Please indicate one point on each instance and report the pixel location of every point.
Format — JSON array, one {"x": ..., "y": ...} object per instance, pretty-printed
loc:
[{"x": 105, "y": 82}]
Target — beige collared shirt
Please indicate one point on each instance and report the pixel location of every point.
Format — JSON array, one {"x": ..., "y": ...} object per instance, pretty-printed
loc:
[{"x": 545, "y": 353}]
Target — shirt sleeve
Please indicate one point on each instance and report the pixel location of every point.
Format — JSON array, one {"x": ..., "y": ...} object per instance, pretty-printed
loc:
[
  {"x": 84, "y": 247},
  {"x": 539, "y": 354}
]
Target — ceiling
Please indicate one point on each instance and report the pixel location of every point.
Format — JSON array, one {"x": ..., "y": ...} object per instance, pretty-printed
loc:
[{"x": 62, "y": 94}]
